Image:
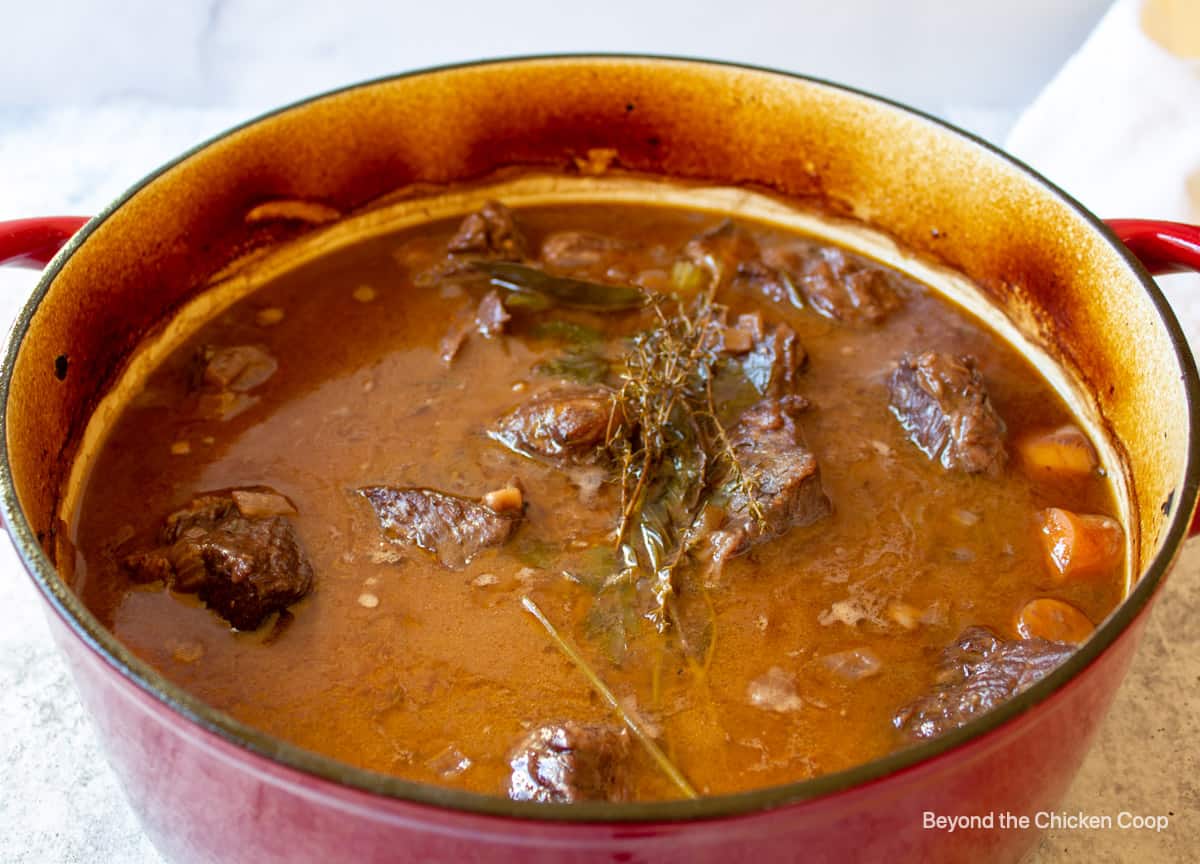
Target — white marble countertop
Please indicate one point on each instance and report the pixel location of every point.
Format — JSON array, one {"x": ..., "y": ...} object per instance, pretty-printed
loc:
[{"x": 93, "y": 96}]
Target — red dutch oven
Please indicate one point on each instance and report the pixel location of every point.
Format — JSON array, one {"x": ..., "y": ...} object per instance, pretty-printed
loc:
[{"x": 208, "y": 788}]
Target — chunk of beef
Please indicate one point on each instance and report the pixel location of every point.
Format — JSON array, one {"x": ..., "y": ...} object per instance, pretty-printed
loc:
[
  {"x": 456, "y": 336},
  {"x": 730, "y": 253},
  {"x": 454, "y": 529},
  {"x": 757, "y": 278},
  {"x": 723, "y": 249},
  {"x": 489, "y": 319},
  {"x": 976, "y": 674},
  {"x": 234, "y": 551},
  {"x": 784, "y": 475},
  {"x": 845, "y": 290},
  {"x": 225, "y": 375},
  {"x": 491, "y": 232},
  {"x": 943, "y": 406},
  {"x": 565, "y": 426},
  {"x": 491, "y": 316},
  {"x": 580, "y": 250},
  {"x": 239, "y": 368},
  {"x": 773, "y": 357},
  {"x": 838, "y": 285},
  {"x": 560, "y": 764}
]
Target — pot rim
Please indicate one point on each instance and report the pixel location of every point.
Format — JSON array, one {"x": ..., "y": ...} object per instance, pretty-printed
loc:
[{"x": 88, "y": 629}]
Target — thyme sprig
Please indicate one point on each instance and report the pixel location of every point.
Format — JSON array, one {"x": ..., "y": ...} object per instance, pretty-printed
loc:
[{"x": 671, "y": 448}]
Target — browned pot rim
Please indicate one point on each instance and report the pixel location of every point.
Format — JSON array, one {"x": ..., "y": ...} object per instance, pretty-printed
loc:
[{"x": 85, "y": 626}]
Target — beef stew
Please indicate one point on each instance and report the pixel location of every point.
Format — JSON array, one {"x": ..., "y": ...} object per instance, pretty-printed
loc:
[{"x": 759, "y": 493}]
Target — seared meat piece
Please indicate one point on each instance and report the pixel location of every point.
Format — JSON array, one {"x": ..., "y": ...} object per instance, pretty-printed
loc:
[
  {"x": 837, "y": 285},
  {"x": 756, "y": 278},
  {"x": 243, "y": 564},
  {"x": 977, "y": 673},
  {"x": 731, "y": 253},
  {"x": 723, "y": 249},
  {"x": 565, "y": 426},
  {"x": 788, "y": 489},
  {"x": 774, "y": 356},
  {"x": 491, "y": 232},
  {"x": 456, "y": 336},
  {"x": 579, "y": 250},
  {"x": 224, "y": 377},
  {"x": 491, "y": 316},
  {"x": 847, "y": 291},
  {"x": 489, "y": 319},
  {"x": 943, "y": 405},
  {"x": 570, "y": 762},
  {"x": 239, "y": 368},
  {"x": 452, "y": 528}
]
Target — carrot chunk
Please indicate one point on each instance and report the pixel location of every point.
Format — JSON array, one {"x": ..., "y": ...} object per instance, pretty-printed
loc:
[
  {"x": 1065, "y": 450},
  {"x": 1079, "y": 546},
  {"x": 1047, "y": 618}
]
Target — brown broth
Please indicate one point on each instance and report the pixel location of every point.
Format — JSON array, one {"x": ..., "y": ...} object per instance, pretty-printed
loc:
[{"x": 442, "y": 667}]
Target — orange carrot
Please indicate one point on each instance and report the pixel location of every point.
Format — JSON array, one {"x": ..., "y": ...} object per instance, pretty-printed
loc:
[
  {"x": 1080, "y": 546},
  {"x": 1065, "y": 450},
  {"x": 1047, "y": 618}
]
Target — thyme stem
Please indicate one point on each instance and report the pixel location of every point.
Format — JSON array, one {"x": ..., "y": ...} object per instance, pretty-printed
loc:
[
  {"x": 672, "y": 448},
  {"x": 600, "y": 687}
]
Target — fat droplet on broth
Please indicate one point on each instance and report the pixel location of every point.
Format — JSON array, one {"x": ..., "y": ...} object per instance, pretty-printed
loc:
[
  {"x": 774, "y": 691},
  {"x": 853, "y": 664}
]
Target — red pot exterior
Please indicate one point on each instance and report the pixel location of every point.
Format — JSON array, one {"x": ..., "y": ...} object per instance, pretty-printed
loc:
[
  {"x": 197, "y": 778},
  {"x": 203, "y": 800}
]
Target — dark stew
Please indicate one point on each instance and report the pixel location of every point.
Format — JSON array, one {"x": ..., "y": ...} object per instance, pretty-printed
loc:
[{"x": 599, "y": 502}]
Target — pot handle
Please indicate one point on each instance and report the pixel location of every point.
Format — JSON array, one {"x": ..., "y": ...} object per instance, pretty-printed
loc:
[
  {"x": 1162, "y": 247},
  {"x": 33, "y": 242}
]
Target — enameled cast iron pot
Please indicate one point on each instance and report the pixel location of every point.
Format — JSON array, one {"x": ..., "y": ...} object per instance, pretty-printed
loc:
[{"x": 208, "y": 788}]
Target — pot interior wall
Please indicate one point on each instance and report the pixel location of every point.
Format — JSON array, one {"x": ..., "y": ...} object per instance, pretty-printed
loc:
[{"x": 938, "y": 193}]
